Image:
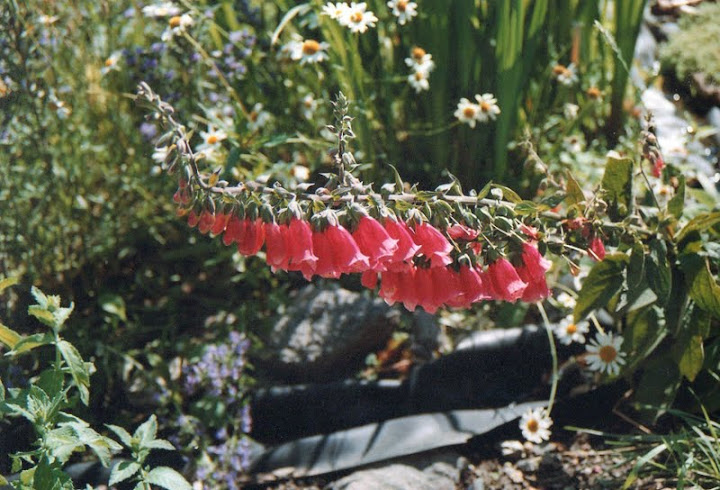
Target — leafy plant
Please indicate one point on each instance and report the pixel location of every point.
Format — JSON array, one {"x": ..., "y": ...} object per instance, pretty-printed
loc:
[{"x": 140, "y": 443}]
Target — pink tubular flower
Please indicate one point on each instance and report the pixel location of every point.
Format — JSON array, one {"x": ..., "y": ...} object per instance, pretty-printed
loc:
[
  {"x": 375, "y": 242},
  {"x": 206, "y": 221},
  {"x": 406, "y": 247},
  {"x": 506, "y": 284},
  {"x": 389, "y": 286},
  {"x": 221, "y": 221},
  {"x": 193, "y": 218},
  {"x": 232, "y": 230},
  {"x": 277, "y": 250},
  {"x": 658, "y": 166},
  {"x": 252, "y": 236},
  {"x": 462, "y": 232},
  {"x": 301, "y": 253},
  {"x": 596, "y": 248},
  {"x": 532, "y": 271},
  {"x": 470, "y": 288},
  {"x": 337, "y": 253},
  {"x": 369, "y": 279},
  {"x": 433, "y": 245}
]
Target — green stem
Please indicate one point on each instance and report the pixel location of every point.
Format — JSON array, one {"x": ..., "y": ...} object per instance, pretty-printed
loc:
[{"x": 553, "y": 353}]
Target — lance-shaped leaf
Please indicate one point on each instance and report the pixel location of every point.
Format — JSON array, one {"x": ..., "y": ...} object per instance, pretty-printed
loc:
[
  {"x": 604, "y": 281},
  {"x": 617, "y": 187}
]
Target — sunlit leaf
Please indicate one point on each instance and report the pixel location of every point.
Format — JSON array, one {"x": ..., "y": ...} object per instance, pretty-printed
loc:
[
  {"x": 617, "y": 187},
  {"x": 603, "y": 282},
  {"x": 167, "y": 478}
]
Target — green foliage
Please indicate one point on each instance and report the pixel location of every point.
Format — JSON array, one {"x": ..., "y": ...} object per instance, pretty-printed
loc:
[
  {"x": 141, "y": 443},
  {"x": 693, "y": 48},
  {"x": 46, "y": 405}
]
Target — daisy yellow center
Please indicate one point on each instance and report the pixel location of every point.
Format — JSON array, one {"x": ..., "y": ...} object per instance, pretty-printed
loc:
[
  {"x": 401, "y": 5},
  {"x": 310, "y": 47},
  {"x": 308, "y": 103},
  {"x": 356, "y": 17},
  {"x": 559, "y": 69},
  {"x": 593, "y": 92},
  {"x": 109, "y": 62},
  {"x": 253, "y": 116},
  {"x": 485, "y": 106},
  {"x": 571, "y": 329},
  {"x": 533, "y": 425},
  {"x": 607, "y": 353},
  {"x": 418, "y": 76},
  {"x": 468, "y": 112},
  {"x": 418, "y": 53},
  {"x": 174, "y": 21},
  {"x": 212, "y": 139}
]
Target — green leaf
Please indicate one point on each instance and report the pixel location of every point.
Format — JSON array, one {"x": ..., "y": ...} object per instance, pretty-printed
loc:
[
  {"x": 688, "y": 349},
  {"x": 124, "y": 435},
  {"x": 703, "y": 288},
  {"x": 604, "y": 281},
  {"x": 62, "y": 442},
  {"x": 147, "y": 431},
  {"x": 529, "y": 208},
  {"x": 160, "y": 444},
  {"x": 60, "y": 315},
  {"x": 636, "y": 267},
  {"x": 122, "y": 471},
  {"x": 676, "y": 205},
  {"x": 167, "y": 478},
  {"x": 657, "y": 270},
  {"x": 9, "y": 336},
  {"x": 42, "y": 314},
  {"x": 483, "y": 192},
  {"x": 114, "y": 305},
  {"x": 78, "y": 370},
  {"x": 508, "y": 193},
  {"x": 657, "y": 387},
  {"x": 2, "y": 391},
  {"x": 40, "y": 298},
  {"x": 617, "y": 186},
  {"x": 575, "y": 195},
  {"x": 30, "y": 342},
  {"x": 50, "y": 477},
  {"x": 7, "y": 282},
  {"x": 700, "y": 223}
]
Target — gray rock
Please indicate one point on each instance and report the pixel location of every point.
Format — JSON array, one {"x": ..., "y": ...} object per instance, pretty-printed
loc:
[
  {"x": 431, "y": 472},
  {"x": 326, "y": 334},
  {"x": 426, "y": 334},
  {"x": 713, "y": 117}
]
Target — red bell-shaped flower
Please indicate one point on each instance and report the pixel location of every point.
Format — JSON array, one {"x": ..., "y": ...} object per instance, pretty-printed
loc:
[
  {"x": 252, "y": 236},
  {"x": 277, "y": 250},
  {"x": 221, "y": 221},
  {"x": 505, "y": 282},
  {"x": 375, "y": 242},
  {"x": 433, "y": 245},
  {"x": 596, "y": 248},
  {"x": 406, "y": 246},
  {"x": 301, "y": 247},
  {"x": 206, "y": 221},
  {"x": 532, "y": 271}
]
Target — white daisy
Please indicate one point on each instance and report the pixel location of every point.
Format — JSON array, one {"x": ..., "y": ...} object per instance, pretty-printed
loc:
[
  {"x": 570, "y": 111},
  {"x": 111, "y": 63},
  {"x": 308, "y": 51},
  {"x": 565, "y": 74},
  {"x": 603, "y": 353},
  {"x": 420, "y": 60},
  {"x": 467, "y": 112},
  {"x": 357, "y": 18},
  {"x": 488, "y": 107},
  {"x": 165, "y": 9},
  {"x": 335, "y": 11},
  {"x": 177, "y": 24},
  {"x": 568, "y": 331},
  {"x": 566, "y": 300},
  {"x": 535, "y": 425},
  {"x": 309, "y": 106},
  {"x": 419, "y": 81},
  {"x": 258, "y": 117},
  {"x": 403, "y": 10}
]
